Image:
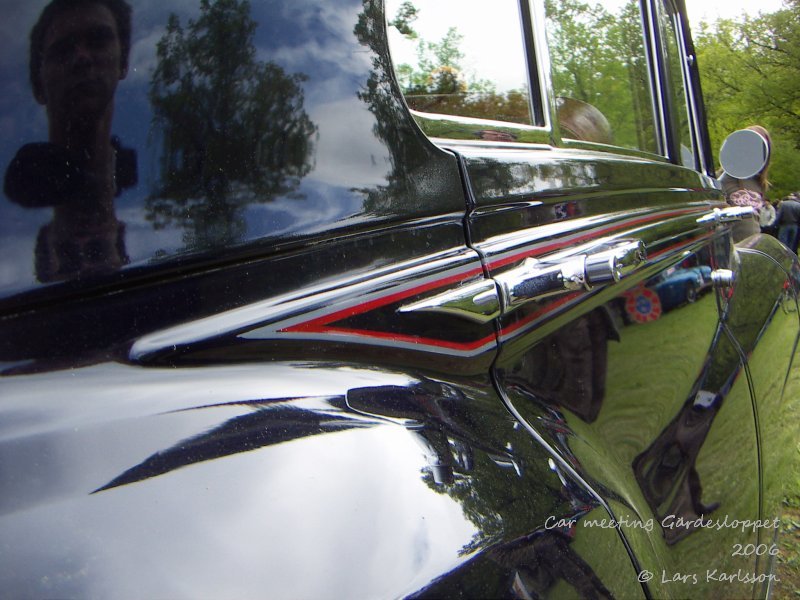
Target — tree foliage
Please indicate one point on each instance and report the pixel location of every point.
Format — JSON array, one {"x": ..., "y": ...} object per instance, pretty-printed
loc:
[
  {"x": 750, "y": 72},
  {"x": 597, "y": 57}
]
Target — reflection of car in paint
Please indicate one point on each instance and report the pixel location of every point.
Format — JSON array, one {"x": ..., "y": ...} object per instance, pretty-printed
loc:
[{"x": 679, "y": 285}]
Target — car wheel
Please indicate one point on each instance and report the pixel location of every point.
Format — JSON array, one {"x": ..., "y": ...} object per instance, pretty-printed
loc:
[{"x": 691, "y": 293}]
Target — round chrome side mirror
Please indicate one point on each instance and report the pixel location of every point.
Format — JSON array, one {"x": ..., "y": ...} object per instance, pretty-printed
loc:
[{"x": 744, "y": 154}]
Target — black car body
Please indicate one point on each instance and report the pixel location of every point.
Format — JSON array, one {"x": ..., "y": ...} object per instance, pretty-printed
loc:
[{"x": 338, "y": 330}]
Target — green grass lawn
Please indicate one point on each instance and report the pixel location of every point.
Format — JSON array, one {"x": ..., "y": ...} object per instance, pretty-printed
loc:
[
  {"x": 788, "y": 568},
  {"x": 641, "y": 390}
]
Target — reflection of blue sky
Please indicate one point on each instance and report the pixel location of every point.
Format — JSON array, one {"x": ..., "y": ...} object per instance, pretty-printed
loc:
[
  {"x": 336, "y": 515},
  {"x": 286, "y": 215},
  {"x": 302, "y": 37},
  {"x": 345, "y": 135}
]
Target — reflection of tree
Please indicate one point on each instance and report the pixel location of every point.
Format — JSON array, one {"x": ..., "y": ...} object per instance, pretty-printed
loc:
[
  {"x": 586, "y": 41},
  {"x": 509, "y": 517},
  {"x": 486, "y": 476},
  {"x": 467, "y": 461},
  {"x": 234, "y": 128},
  {"x": 390, "y": 115},
  {"x": 478, "y": 471},
  {"x": 491, "y": 479},
  {"x": 667, "y": 470},
  {"x": 626, "y": 41},
  {"x": 392, "y": 124},
  {"x": 575, "y": 66}
]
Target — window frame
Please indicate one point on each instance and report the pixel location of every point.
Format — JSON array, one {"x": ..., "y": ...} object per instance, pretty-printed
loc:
[
  {"x": 538, "y": 132},
  {"x": 669, "y": 117},
  {"x": 545, "y": 130},
  {"x": 693, "y": 97},
  {"x": 655, "y": 100}
]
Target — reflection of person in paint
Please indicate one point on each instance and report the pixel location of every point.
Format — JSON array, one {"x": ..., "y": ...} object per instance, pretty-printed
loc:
[
  {"x": 667, "y": 470},
  {"x": 568, "y": 369},
  {"x": 78, "y": 54}
]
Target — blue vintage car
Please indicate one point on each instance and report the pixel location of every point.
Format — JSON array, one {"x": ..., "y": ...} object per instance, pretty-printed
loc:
[{"x": 679, "y": 285}]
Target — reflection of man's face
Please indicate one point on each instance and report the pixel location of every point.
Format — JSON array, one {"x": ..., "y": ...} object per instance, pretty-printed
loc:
[{"x": 81, "y": 62}]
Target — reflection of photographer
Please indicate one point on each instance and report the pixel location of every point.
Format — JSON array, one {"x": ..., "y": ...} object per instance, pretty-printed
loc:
[
  {"x": 568, "y": 369},
  {"x": 667, "y": 472},
  {"x": 78, "y": 54}
]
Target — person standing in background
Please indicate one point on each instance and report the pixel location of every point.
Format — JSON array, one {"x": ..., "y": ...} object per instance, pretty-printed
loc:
[{"x": 789, "y": 221}]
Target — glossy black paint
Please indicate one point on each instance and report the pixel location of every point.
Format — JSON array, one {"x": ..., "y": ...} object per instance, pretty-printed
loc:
[
  {"x": 244, "y": 408},
  {"x": 443, "y": 463}
]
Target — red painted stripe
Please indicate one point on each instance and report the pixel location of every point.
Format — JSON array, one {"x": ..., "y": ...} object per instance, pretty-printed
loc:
[
  {"x": 398, "y": 337},
  {"x": 689, "y": 242},
  {"x": 318, "y": 325}
]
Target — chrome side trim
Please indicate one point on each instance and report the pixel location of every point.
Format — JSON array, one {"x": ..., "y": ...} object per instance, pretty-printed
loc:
[
  {"x": 478, "y": 302},
  {"x": 535, "y": 280}
]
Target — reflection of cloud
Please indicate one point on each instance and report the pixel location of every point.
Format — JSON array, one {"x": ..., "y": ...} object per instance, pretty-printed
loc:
[
  {"x": 160, "y": 7},
  {"x": 354, "y": 156},
  {"x": 253, "y": 524},
  {"x": 159, "y": 390},
  {"x": 143, "y": 56},
  {"x": 326, "y": 45},
  {"x": 141, "y": 238},
  {"x": 16, "y": 266},
  {"x": 322, "y": 44},
  {"x": 15, "y": 26},
  {"x": 284, "y": 215},
  {"x": 319, "y": 52}
]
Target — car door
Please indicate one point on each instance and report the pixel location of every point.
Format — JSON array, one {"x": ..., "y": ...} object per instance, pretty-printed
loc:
[
  {"x": 636, "y": 386},
  {"x": 760, "y": 313}
]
